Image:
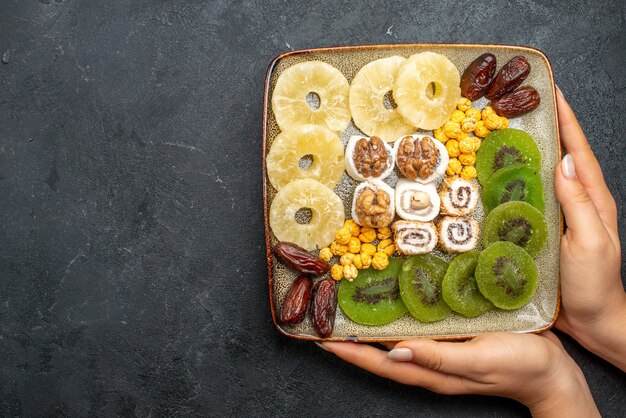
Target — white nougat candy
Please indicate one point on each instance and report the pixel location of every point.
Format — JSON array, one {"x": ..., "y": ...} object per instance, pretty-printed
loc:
[
  {"x": 352, "y": 165},
  {"x": 416, "y": 201},
  {"x": 458, "y": 196},
  {"x": 458, "y": 235},
  {"x": 414, "y": 237},
  {"x": 371, "y": 220},
  {"x": 413, "y": 142}
]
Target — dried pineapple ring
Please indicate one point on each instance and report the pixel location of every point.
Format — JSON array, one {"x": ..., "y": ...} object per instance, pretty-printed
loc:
[
  {"x": 289, "y": 99},
  {"x": 413, "y": 94},
  {"x": 326, "y": 208},
  {"x": 367, "y": 100},
  {"x": 283, "y": 159}
]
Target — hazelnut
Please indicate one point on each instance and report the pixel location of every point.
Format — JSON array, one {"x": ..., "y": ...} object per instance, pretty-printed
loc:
[{"x": 420, "y": 200}]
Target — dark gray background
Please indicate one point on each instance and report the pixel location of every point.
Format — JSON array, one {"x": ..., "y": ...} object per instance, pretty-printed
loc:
[{"x": 132, "y": 269}]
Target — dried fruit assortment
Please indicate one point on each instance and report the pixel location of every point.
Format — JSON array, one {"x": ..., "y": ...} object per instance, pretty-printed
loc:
[{"x": 362, "y": 262}]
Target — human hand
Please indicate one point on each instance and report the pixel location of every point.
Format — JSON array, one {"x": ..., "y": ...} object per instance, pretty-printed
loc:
[
  {"x": 532, "y": 369},
  {"x": 593, "y": 299}
]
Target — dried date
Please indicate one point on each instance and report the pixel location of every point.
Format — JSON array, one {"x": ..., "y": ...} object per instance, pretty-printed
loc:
[
  {"x": 510, "y": 76},
  {"x": 297, "y": 301},
  {"x": 324, "y": 307},
  {"x": 478, "y": 76},
  {"x": 521, "y": 101},
  {"x": 300, "y": 259}
]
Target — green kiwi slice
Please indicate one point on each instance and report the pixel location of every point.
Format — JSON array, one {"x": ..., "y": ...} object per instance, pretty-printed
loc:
[
  {"x": 505, "y": 148},
  {"x": 516, "y": 183},
  {"x": 420, "y": 287},
  {"x": 373, "y": 298},
  {"x": 506, "y": 275},
  {"x": 519, "y": 223},
  {"x": 459, "y": 287}
]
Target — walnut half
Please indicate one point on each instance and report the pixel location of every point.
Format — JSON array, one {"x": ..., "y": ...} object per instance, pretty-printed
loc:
[
  {"x": 370, "y": 157},
  {"x": 417, "y": 157},
  {"x": 372, "y": 208}
]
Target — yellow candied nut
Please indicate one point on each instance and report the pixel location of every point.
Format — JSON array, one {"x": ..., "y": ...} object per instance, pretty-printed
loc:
[
  {"x": 457, "y": 116},
  {"x": 505, "y": 122},
  {"x": 380, "y": 261},
  {"x": 346, "y": 259},
  {"x": 468, "y": 172},
  {"x": 468, "y": 124},
  {"x": 481, "y": 130},
  {"x": 368, "y": 249},
  {"x": 338, "y": 249},
  {"x": 453, "y": 148},
  {"x": 367, "y": 234},
  {"x": 386, "y": 246},
  {"x": 477, "y": 142},
  {"x": 354, "y": 227},
  {"x": 487, "y": 110},
  {"x": 493, "y": 122},
  {"x": 466, "y": 145},
  {"x": 452, "y": 129},
  {"x": 350, "y": 272},
  {"x": 336, "y": 272},
  {"x": 454, "y": 167},
  {"x": 326, "y": 254},
  {"x": 362, "y": 261},
  {"x": 473, "y": 113},
  {"x": 343, "y": 236},
  {"x": 354, "y": 246},
  {"x": 464, "y": 104},
  {"x": 440, "y": 135},
  {"x": 467, "y": 159},
  {"x": 383, "y": 233}
]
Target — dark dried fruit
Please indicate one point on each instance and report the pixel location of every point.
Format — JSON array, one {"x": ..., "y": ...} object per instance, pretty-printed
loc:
[
  {"x": 297, "y": 301},
  {"x": 510, "y": 76},
  {"x": 521, "y": 101},
  {"x": 300, "y": 259},
  {"x": 324, "y": 307},
  {"x": 478, "y": 76}
]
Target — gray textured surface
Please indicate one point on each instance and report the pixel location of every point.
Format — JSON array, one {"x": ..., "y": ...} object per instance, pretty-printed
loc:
[{"x": 132, "y": 272}]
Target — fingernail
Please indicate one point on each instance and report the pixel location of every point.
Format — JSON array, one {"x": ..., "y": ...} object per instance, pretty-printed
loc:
[
  {"x": 567, "y": 166},
  {"x": 558, "y": 90},
  {"x": 400, "y": 354},
  {"x": 320, "y": 345}
]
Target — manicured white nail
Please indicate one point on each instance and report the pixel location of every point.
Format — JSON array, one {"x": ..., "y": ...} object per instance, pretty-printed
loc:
[
  {"x": 320, "y": 345},
  {"x": 567, "y": 166},
  {"x": 400, "y": 354}
]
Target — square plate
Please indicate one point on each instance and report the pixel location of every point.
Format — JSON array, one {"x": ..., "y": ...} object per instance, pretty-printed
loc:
[{"x": 541, "y": 124}]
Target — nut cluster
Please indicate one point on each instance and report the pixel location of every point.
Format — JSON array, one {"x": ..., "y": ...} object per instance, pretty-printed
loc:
[
  {"x": 370, "y": 157},
  {"x": 417, "y": 157},
  {"x": 356, "y": 249},
  {"x": 456, "y": 135},
  {"x": 372, "y": 207}
]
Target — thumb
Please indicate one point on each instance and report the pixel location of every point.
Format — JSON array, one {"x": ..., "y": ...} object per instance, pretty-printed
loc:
[
  {"x": 444, "y": 357},
  {"x": 581, "y": 215}
]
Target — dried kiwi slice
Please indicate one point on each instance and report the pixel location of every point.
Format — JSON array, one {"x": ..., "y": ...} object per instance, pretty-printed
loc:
[
  {"x": 459, "y": 287},
  {"x": 506, "y": 275},
  {"x": 517, "y": 183},
  {"x": 519, "y": 223},
  {"x": 505, "y": 148},
  {"x": 373, "y": 298},
  {"x": 420, "y": 287}
]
